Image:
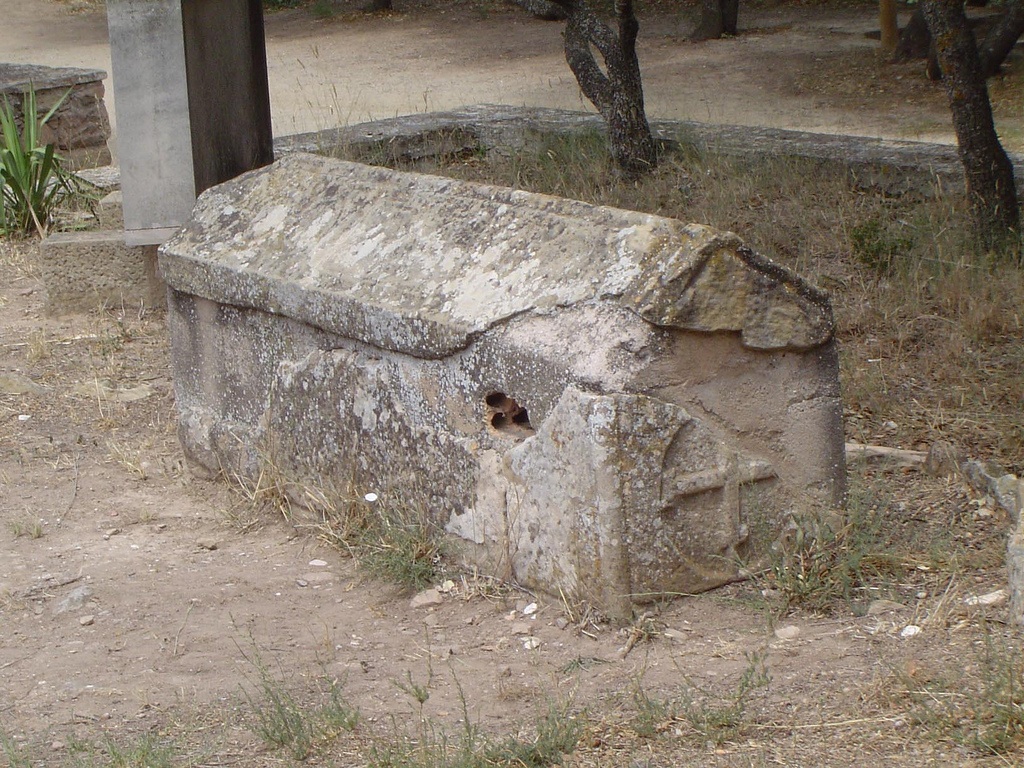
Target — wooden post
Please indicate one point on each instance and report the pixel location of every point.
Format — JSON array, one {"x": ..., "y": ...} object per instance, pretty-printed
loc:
[{"x": 889, "y": 25}]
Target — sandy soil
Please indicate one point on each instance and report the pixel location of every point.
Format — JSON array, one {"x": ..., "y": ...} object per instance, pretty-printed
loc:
[{"x": 136, "y": 600}]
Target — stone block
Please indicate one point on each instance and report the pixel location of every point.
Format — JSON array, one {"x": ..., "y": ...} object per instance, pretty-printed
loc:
[
  {"x": 85, "y": 270},
  {"x": 80, "y": 128},
  {"x": 596, "y": 402}
]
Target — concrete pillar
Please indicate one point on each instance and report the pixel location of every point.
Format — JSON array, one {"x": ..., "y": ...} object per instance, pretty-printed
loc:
[{"x": 193, "y": 104}]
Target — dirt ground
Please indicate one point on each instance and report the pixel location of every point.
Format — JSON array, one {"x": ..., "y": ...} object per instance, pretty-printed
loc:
[
  {"x": 136, "y": 600},
  {"x": 438, "y": 54}
]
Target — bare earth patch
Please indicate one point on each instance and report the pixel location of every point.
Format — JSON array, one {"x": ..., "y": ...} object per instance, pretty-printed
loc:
[{"x": 141, "y": 609}]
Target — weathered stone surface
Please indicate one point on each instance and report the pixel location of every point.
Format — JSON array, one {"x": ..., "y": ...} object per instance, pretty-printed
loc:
[
  {"x": 601, "y": 402},
  {"x": 84, "y": 270},
  {"x": 80, "y": 128},
  {"x": 1015, "y": 572},
  {"x": 483, "y": 255}
]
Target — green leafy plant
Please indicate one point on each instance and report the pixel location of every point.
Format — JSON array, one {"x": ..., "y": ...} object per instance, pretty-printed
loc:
[
  {"x": 389, "y": 537},
  {"x": 827, "y": 560},
  {"x": 34, "y": 182},
  {"x": 982, "y": 707},
  {"x": 282, "y": 720},
  {"x": 15, "y": 754},
  {"x": 879, "y": 246},
  {"x": 716, "y": 720}
]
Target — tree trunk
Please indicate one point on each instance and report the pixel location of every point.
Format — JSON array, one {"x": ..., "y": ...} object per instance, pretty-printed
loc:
[
  {"x": 914, "y": 39},
  {"x": 991, "y": 190},
  {"x": 618, "y": 95},
  {"x": 1001, "y": 38},
  {"x": 889, "y": 25},
  {"x": 717, "y": 18}
]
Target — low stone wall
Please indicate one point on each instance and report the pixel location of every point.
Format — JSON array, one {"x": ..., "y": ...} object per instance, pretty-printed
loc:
[
  {"x": 894, "y": 166},
  {"x": 597, "y": 402},
  {"x": 80, "y": 128}
]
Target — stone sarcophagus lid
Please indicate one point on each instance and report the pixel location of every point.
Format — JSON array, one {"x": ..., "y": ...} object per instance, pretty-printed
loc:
[{"x": 597, "y": 402}]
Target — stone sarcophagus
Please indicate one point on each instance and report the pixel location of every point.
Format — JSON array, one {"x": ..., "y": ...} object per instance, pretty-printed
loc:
[{"x": 602, "y": 403}]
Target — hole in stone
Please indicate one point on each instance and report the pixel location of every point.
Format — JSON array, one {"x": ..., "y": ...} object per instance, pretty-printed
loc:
[
  {"x": 522, "y": 418},
  {"x": 504, "y": 414}
]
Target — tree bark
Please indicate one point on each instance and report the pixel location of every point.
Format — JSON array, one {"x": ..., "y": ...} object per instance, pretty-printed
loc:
[
  {"x": 996, "y": 45},
  {"x": 717, "y": 19},
  {"x": 914, "y": 39},
  {"x": 991, "y": 189},
  {"x": 618, "y": 95},
  {"x": 1001, "y": 38}
]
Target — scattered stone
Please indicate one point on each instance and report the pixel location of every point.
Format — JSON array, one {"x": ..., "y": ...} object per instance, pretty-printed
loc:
[
  {"x": 207, "y": 543},
  {"x": 990, "y": 478},
  {"x": 75, "y": 599},
  {"x": 426, "y": 598},
  {"x": 105, "y": 178},
  {"x": 87, "y": 621},
  {"x": 522, "y": 628},
  {"x": 446, "y": 587},
  {"x": 111, "y": 391},
  {"x": 529, "y": 643},
  {"x": 24, "y": 416},
  {"x": 57, "y": 746},
  {"x": 110, "y": 532},
  {"x": 530, "y": 609},
  {"x": 317, "y": 563},
  {"x": 561, "y": 622},
  {"x": 302, "y": 582},
  {"x": 317, "y": 577},
  {"x": 675, "y": 635},
  {"x": 944, "y": 460},
  {"x": 998, "y": 597},
  {"x": 16, "y": 384},
  {"x": 884, "y": 606},
  {"x": 910, "y": 630},
  {"x": 789, "y": 632}
]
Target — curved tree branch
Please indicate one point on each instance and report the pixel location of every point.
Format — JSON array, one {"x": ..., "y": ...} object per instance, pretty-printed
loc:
[{"x": 616, "y": 90}]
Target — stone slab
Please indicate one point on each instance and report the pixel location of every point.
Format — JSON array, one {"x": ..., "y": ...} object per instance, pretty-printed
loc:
[
  {"x": 483, "y": 255},
  {"x": 590, "y": 401},
  {"x": 80, "y": 128},
  {"x": 154, "y": 135},
  {"x": 83, "y": 271}
]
